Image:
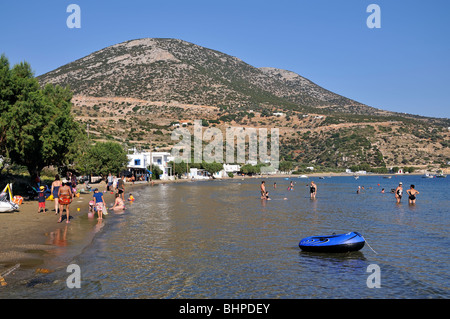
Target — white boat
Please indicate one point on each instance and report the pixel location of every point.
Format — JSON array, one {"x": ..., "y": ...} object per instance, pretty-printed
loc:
[
  {"x": 441, "y": 176},
  {"x": 303, "y": 176},
  {"x": 7, "y": 205},
  {"x": 427, "y": 175}
]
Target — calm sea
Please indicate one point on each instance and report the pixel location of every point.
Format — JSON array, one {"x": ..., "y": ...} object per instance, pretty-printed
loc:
[{"x": 217, "y": 239}]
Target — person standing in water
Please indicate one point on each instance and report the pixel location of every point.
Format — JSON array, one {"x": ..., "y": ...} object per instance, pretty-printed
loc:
[
  {"x": 121, "y": 187},
  {"x": 99, "y": 202},
  {"x": 412, "y": 192},
  {"x": 399, "y": 192},
  {"x": 313, "y": 190},
  {"x": 65, "y": 198},
  {"x": 291, "y": 186},
  {"x": 263, "y": 190}
]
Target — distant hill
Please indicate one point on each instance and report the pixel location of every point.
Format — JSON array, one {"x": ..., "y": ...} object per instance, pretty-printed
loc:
[
  {"x": 171, "y": 70},
  {"x": 135, "y": 91}
]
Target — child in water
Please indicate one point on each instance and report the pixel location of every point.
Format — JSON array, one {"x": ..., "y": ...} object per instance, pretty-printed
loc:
[{"x": 131, "y": 198}]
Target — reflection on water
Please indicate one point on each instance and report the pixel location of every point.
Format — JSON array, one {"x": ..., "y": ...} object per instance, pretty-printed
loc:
[{"x": 219, "y": 240}]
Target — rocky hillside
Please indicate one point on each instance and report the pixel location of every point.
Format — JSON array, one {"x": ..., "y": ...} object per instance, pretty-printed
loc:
[
  {"x": 170, "y": 70},
  {"x": 138, "y": 91}
]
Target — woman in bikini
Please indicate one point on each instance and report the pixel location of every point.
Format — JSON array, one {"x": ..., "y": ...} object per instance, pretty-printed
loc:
[{"x": 65, "y": 198}]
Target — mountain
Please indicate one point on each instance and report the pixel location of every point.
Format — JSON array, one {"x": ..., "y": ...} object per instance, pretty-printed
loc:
[
  {"x": 135, "y": 91},
  {"x": 169, "y": 70}
]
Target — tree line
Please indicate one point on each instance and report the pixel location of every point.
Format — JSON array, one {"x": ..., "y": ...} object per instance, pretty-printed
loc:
[{"x": 37, "y": 128}]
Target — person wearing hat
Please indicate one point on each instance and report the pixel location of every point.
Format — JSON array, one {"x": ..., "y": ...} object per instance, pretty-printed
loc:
[
  {"x": 399, "y": 192},
  {"x": 41, "y": 199}
]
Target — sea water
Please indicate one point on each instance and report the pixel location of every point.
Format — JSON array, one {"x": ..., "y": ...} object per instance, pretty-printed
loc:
[{"x": 218, "y": 239}]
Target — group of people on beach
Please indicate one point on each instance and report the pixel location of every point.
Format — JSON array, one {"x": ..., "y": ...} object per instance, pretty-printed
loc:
[
  {"x": 117, "y": 187},
  {"x": 412, "y": 192},
  {"x": 63, "y": 192}
]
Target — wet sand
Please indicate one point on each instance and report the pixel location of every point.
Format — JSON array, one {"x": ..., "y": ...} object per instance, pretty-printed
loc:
[{"x": 27, "y": 234}]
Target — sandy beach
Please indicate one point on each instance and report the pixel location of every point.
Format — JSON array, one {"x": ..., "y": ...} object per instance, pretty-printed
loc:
[{"x": 25, "y": 232}]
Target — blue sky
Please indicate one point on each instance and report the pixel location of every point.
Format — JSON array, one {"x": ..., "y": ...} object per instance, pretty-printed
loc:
[{"x": 404, "y": 66}]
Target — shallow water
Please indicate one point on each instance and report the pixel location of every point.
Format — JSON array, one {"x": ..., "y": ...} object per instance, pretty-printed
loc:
[{"x": 217, "y": 239}]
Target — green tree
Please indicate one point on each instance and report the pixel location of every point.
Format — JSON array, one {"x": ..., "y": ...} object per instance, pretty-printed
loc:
[
  {"x": 178, "y": 168},
  {"x": 249, "y": 169},
  {"x": 285, "y": 166},
  {"x": 36, "y": 125},
  {"x": 103, "y": 158},
  {"x": 156, "y": 171},
  {"x": 213, "y": 167}
]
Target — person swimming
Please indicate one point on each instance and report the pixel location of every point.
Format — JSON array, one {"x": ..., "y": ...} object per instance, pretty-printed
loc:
[{"x": 131, "y": 198}]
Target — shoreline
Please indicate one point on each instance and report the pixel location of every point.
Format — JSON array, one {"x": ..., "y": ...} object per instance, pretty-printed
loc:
[{"x": 24, "y": 234}]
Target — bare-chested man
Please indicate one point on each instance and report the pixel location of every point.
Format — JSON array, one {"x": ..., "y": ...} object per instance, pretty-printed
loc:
[{"x": 263, "y": 190}]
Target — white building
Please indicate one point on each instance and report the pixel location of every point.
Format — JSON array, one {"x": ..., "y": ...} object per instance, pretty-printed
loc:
[
  {"x": 140, "y": 161},
  {"x": 230, "y": 168},
  {"x": 198, "y": 173}
]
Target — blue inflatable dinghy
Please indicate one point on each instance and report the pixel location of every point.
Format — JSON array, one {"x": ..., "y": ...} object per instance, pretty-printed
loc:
[{"x": 342, "y": 243}]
